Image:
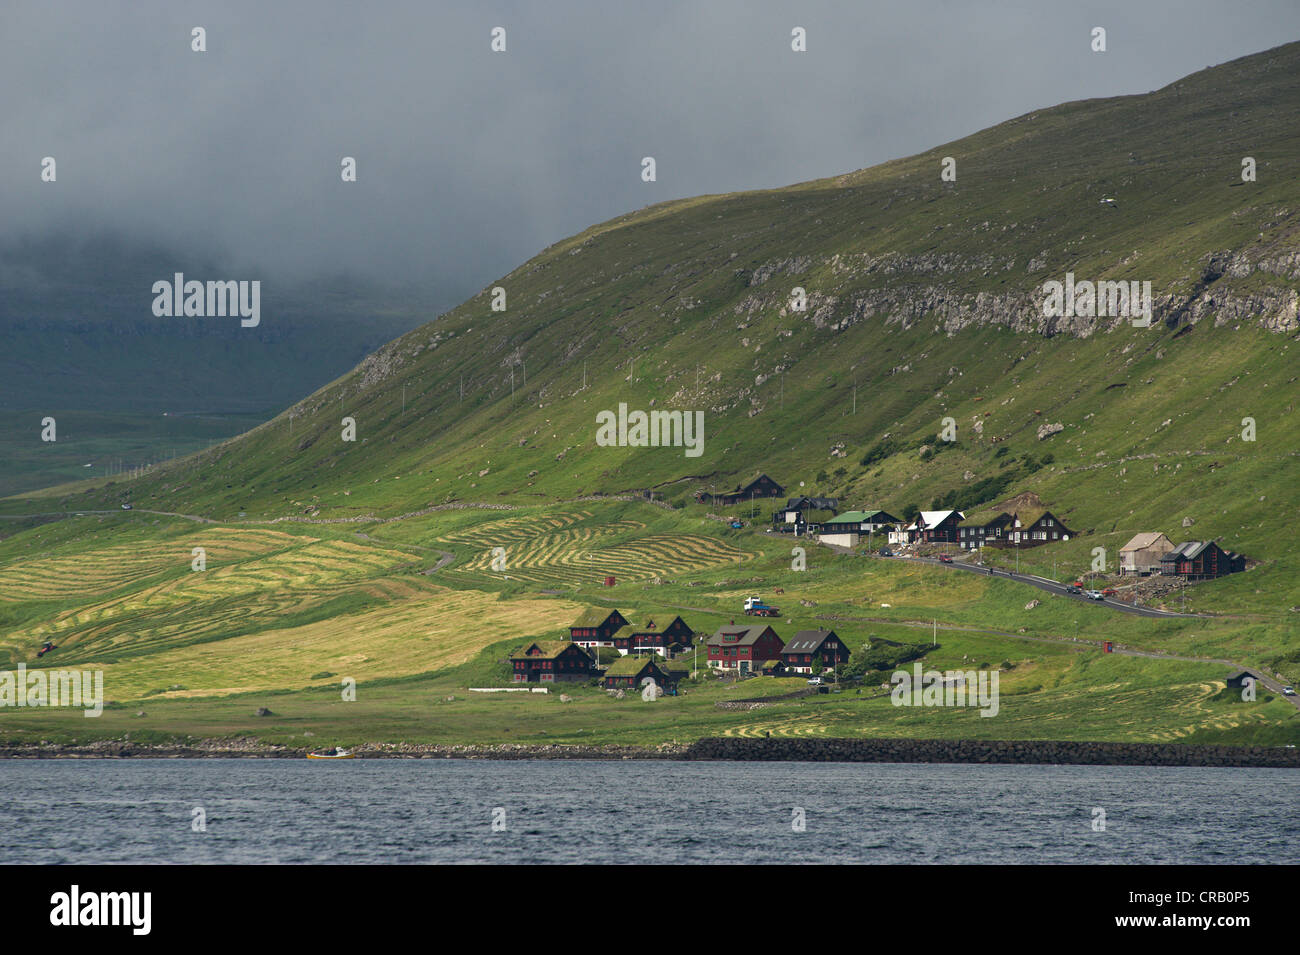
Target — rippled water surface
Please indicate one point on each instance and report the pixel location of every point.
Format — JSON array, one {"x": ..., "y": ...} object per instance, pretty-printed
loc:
[{"x": 296, "y": 811}]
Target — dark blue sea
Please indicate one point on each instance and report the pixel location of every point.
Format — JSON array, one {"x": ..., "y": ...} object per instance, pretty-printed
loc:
[{"x": 461, "y": 811}]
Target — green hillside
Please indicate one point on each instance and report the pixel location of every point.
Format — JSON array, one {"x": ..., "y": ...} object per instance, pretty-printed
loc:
[{"x": 923, "y": 303}]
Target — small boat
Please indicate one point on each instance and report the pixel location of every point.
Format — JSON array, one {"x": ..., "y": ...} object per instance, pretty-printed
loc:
[{"x": 332, "y": 754}]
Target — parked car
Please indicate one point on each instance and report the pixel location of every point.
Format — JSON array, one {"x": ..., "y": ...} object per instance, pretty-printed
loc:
[
  {"x": 1094, "y": 595},
  {"x": 886, "y": 552},
  {"x": 1288, "y": 691},
  {"x": 945, "y": 559},
  {"x": 1110, "y": 592},
  {"x": 126, "y": 507},
  {"x": 814, "y": 681},
  {"x": 1073, "y": 589}
]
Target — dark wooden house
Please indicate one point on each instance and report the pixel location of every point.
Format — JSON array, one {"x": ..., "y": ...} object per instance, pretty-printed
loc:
[
  {"x": 808, "y": 648},
  {"x": 1201, "y": 560},
  {"x": 630, "y": 673},
  {"x": 1037, "y": 525},
  {"x": 985, "y": 527},
  {"x": 935, "y": 527},
  {"x": 743, "y": 648},
  {"x": 761, "y": 486},
  {"x": 596, "y": 627},
  {"x": 551, "y": 661},
  {"x": 674, "y": 637}
]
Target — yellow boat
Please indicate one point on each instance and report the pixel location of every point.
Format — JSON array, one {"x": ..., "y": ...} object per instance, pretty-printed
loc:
[{"x": 337, "y": 754}]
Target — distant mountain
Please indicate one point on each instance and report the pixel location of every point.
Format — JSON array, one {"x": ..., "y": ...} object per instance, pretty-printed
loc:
[
  {"x": 924, "y": 303},
  {"x": 79, "y": 331}
]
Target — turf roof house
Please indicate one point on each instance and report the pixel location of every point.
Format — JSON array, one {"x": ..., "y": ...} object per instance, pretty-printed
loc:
[
  {"x": 796, "y": 510},
  {"x": 808, "y": 648},
  {"x": 985, "y": 527},
  {"x": 630, "y": 673},
  {"x": 551, "y": 661},
  {"x": 596, "y": 627},
  {"x": 1037, "y": 525},
  {"x": 848, "y": 529},
  {"x": 1143, "y": 553},
  {"x": 743, "y": 649},
  {"x": 1201, "y": 560},
  {"x": 761, "y": 486},
  {"x": 673, "y": 638},
  {"x": 1023, "y": 526}
]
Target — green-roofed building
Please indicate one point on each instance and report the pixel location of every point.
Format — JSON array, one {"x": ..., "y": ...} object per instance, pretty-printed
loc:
[
  {"x": 848, "y": 529},
  {"x": 596, "y": 627},
  {"x": 629, "y": 672},
  {"x": 551, "y": 661}
]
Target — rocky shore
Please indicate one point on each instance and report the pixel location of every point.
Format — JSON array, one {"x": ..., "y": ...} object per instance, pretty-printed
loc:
[
  {"x": 716, "y": 749},
  {"x": 990, "y": 751}
]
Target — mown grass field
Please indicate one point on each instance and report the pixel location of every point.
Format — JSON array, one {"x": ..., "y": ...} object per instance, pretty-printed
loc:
[
  {"x": 283, "y": 614},
  {"x": 475, "y": 437}
]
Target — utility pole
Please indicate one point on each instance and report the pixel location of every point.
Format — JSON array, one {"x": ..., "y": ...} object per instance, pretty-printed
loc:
[
  {"x": 403, "y": 399},
  {"x": 584, "y": 374},
  {"x": 462, "y": 388},
  {"x": 512, "y": 381}
]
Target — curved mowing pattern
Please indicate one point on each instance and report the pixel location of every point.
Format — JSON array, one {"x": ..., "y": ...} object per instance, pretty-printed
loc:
[
  {"x": 226, "y": 600},
  {"x": 538, "y": 553},
  {"x": 105, "y": 569}
]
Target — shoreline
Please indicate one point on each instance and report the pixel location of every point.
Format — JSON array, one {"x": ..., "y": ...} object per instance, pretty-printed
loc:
[{"x": 719, "y": 749}]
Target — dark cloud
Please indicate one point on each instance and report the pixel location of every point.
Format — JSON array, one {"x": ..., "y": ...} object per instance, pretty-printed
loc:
[{"x": 471, "y": 161}]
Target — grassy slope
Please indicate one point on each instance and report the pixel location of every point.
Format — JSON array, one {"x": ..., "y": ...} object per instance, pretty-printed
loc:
[{"x": 668, "y": 305}]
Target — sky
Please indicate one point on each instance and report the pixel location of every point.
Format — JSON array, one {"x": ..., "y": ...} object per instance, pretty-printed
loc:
[{"x": 471, "y": 161}]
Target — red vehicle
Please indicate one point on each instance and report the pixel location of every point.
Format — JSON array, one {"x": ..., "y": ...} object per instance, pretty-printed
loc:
[
  {"x": 945, "y": 559},
  {"x": 755, "y": 607},
  {"x": 1109, "y": 592}
]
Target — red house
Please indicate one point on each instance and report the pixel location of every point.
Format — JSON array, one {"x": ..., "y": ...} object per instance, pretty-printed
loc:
[
  {"x": 743, "y": 649},
  {"x": 807, "y": 648},
  {"x": 596, "y": 627},
  {"x": 550, "y": 661}
]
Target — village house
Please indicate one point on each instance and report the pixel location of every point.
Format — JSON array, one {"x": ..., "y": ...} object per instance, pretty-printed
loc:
[
  {"x": 1201, "y": 560},
  {"x": 990, "y": 527},
  {"x": 933, "y": 527},
  {"x": 761, "y": 486},
  {"x": 848, "y": 529},
  {"x": 551, "y": 661},
  {"x": 809, "y": 648},
  {"x": 596, "y": 627},
  {"x": 629, "y": 673},
  {"x": 1143, "y": 553},
  {"x": 673, "y": 638},
  {"x": 796, "y": 513},
  {"x": 743, "y": 648},
  {"x": 1037, "y": 525}
]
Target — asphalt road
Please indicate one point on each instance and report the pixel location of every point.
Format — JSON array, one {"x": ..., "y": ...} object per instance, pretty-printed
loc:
[{"x": 1053, "y": 587}]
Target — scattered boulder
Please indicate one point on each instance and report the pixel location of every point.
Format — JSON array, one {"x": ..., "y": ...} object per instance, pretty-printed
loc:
[
  {"x": 263, "y": 711},
  {"x": 1188, "y": 521},
  {"x": 139, "y": 713},
  {"x": 1032, "y": 604},
  {"x": 968, "y": 476},
  {"x": 1047, "y": 430},
  {"x": 808, "y": 603},
  {"x": 565, "y": 698}
]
